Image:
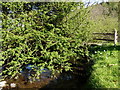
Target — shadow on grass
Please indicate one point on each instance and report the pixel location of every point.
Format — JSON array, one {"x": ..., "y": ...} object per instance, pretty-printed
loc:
[
  {"x": 105, "y": 47},
  {"x": 70, "y": 80},
  {"x": 94, "y": 83}
]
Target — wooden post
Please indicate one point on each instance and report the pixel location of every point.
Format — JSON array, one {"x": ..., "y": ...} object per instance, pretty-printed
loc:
[{"x": 115, "y": 37}]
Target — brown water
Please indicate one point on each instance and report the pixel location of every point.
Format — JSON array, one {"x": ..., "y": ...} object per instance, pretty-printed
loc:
[
  {"x": 76, "y": 79},
  {"x": 64, "y": 80}
]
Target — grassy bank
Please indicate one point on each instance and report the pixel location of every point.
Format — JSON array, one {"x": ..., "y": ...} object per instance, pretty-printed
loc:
[{"x": 105, "y": 68}]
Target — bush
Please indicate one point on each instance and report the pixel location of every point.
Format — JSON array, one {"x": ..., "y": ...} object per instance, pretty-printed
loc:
[{"x": 43, "y": 34}]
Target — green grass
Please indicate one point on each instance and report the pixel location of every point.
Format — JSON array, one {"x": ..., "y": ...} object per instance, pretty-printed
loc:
[
  {"x": 104, "y": 73},
  {"x": 105, "y": 68},
  {"x": 106, "y": 24}
]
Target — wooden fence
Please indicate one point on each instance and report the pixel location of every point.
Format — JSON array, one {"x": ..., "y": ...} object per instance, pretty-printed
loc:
[{"x": 114, "y": 34}]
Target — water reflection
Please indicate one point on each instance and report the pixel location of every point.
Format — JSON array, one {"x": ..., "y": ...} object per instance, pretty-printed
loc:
[
  {"x": 45, "y": 81},
  {"x": 62, "y": 80},
  {"x": 28, "y": 71}
]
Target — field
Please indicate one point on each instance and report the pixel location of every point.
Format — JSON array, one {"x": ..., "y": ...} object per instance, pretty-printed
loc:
[
  {"x": 105, "y": 68},
  {"x": 104, "y": 73}
]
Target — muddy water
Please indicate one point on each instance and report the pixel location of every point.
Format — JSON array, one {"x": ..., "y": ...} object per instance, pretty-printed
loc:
[
  {"x": 22, "y": 80},
  {"x": 76, "y": 79},
  {"x": 64, "y": 80}
]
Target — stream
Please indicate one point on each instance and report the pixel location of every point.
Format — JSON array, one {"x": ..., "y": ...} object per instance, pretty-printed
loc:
[{"x": 76, "y": 79}]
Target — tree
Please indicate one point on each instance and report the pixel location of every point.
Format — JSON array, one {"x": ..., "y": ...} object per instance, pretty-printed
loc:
[{"x": 43, "y": 34}]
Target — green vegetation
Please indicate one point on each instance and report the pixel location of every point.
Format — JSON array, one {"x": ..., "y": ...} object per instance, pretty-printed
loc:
[
  {"x": 47, "y": 37},
  {"x": 103, "y": 19},
  {"x": 106, "y": 24},
  {"x": 112, "y": 8},
  {"x": 53, "y": 36},
  {"x": 105, "y": 68}
]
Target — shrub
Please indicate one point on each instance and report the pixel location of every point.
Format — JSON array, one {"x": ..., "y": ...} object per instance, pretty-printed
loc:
[{"x": 43, "y": 34}]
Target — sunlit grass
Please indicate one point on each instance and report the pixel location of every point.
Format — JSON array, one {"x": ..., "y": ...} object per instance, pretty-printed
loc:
[{"x": 105, "y": 68}]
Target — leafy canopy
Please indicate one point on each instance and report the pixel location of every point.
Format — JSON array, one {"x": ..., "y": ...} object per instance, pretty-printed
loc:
[{"x": 43, "y": 34}]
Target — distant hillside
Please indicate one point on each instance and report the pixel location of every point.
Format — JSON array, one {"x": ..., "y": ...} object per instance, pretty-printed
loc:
[
  {"x": 104, "y": 17},
  {"x": 104, "y": 9},
  {"x": 112, "y": 6}
]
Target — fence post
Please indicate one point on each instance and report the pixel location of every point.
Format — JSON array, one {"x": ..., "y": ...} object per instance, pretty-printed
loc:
[{"x": 115, "y": 37}]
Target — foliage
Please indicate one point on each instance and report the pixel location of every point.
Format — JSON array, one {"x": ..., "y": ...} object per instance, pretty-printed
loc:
[
  {"x": 112, "y": 7},
  {"x": 46, "y": 35}
]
